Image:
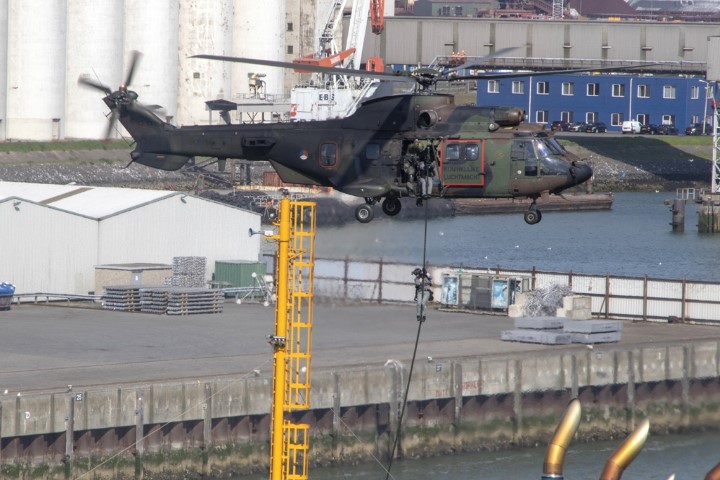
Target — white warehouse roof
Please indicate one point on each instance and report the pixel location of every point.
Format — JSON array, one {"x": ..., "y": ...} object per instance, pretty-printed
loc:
[{"x": 55, "y": 235}]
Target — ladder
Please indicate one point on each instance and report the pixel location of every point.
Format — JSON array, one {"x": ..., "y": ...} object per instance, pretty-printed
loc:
[{"x": 292, "y": 345}]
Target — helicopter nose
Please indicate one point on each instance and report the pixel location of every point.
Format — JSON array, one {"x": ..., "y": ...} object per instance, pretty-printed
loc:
[{"x": 580, "y": 173}]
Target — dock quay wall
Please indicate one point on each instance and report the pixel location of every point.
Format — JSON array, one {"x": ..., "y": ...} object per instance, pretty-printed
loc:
[
  {"x": 220, "y": 427},
  {"x": 613, "y": 297}
]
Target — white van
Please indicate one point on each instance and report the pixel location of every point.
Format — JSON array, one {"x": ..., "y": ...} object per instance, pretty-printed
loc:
[{"x": 630, "y": 126}]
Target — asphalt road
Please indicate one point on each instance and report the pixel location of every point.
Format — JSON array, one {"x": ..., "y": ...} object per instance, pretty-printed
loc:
[{"x": 45, "y": 348}]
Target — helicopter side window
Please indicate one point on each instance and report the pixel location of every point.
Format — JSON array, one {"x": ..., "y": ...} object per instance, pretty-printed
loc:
[
  {"x": 328, "y": 154},
  {"x": 452, "y": 152},
  {"x": 472, "y": 151},
  {"x": 372, "y": 151}
]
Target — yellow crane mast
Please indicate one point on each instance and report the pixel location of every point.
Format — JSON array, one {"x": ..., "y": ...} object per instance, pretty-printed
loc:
[{"x": 292, "y": 346}]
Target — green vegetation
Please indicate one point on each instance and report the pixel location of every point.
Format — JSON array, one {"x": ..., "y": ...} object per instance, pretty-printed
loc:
[
  {"x": 67, "y": 145},
  {"x": 630, "y": 148}
]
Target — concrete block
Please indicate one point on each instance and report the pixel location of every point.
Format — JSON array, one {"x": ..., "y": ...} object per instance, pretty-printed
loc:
[
  {"x": 540, "y": 323},
  {"x": 592, "y": 326},
  {"x": 573, "y": 302},
  {"x": 589, "y": 338},
  {"x": 579, "y": 314},
  {"x": 515, "y": 311},
  {"x": 536, "y": 336}
]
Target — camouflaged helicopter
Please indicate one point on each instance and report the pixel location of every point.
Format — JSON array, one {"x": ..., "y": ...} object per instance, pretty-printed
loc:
[{"x": 475, "y": 151}]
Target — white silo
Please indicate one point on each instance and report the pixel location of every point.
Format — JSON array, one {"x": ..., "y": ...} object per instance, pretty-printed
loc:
[
  {"x": 35, "y": 69},
  {"x": 94, "y": 50},
  {"x": 152, "y": 29},
  {"x": 205, "y": 28},
  {"x": 3, "y": 65},
  {"x": 259, "y": 32}
]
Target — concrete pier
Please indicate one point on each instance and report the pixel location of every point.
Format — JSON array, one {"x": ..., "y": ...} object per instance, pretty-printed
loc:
[{"x": 146, "y": 389}]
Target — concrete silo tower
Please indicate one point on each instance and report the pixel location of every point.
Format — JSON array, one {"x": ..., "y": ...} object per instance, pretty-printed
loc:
[
  {"x": 94, "y": 50},
  {"x": 36, "y": 43}
]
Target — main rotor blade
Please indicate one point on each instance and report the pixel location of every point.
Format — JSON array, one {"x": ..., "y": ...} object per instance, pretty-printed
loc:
[
  {"x": 398, "y": 76},
  {"x": 111, "y": 125},
  {"x": 89, "y": 82},
  {"x": 492, "y": 76},
  {"x": 135, "y": 56},
  {"x": 496, "y": 53}
]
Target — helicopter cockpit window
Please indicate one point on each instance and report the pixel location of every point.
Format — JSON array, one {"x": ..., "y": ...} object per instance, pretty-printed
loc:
[
  {"x": 328, "y": 154},
  {"x": 522, "y": 150},
  {"x": 372, "y": 151},
  {"x": 472, "y": 151}
]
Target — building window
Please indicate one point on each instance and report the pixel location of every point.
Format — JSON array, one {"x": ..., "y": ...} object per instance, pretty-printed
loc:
[
  {"x": 643, "y": 91},
  {"x": 669, "y": 120},
  {"x": 568, "y": 88},
  {"x": 518, "y": 87},
  {"x": 566, "y": 117},
  {"x": 695, "y": 92},
  {"x": 593, "y": 90},
  {"x": 543, "y": 88},
  {"x": 493, "y": 86},
  {"x": 669, "y": 91},
  {"x": 694, "y": 119},
  {"x": 616, "y": 119},
  {"x": 290, "y": 27},
  {"x": 591, "y": 117},
  {"x": 541, "y": 116},
  {"x": 290, "y": 49},
  {"x": 643, "y": 118},
  {"x": 618, "y": 90}
]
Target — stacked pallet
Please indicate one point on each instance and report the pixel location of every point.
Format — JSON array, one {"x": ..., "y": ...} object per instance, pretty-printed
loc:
[
  {"x": 189, "y": 301},
  {"x": 162, "y": 300},
  {"x": 562, "y": 331},
  {"x": 188, "y": 272},
  {"x": 125, "y": 298}
]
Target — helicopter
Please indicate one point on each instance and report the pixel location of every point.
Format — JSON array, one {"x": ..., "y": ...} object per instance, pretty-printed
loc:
[{"x": 379, "y": 152}]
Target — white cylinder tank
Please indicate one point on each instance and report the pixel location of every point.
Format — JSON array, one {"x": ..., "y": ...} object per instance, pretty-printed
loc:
[
  {"x": 152, "y": 29},
  {"x": 259, "y": 32},
  {"x": 36, "y": 46},
  {"x": 3, "y": 65},
  {"x": 94, "y": 40},
  {"x": 205, "y": 28}
]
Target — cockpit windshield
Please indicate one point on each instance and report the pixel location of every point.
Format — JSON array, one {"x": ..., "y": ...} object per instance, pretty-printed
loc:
[{"x": 550, "y": 155}]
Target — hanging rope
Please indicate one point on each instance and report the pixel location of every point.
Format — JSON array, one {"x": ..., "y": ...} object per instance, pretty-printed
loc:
[{"x": 415, "y": 348}]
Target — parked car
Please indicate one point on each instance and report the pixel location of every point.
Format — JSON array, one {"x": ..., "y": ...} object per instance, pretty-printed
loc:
[
  {"x": 650, "y": 129},
  {"x": 597, "y": 127},
  {"x": 668, "y": 130},
  {"x": 697, "y": 129},
  {"x": 577, "y": 127},
  {"x": 630, "y": 126},
  {"x": 559, "y": 126}
]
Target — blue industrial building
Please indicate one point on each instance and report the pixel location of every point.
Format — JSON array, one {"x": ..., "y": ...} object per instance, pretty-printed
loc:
[{"x": 608, "y": 98}]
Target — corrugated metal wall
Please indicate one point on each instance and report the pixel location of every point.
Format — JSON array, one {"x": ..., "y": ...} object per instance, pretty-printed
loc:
[
  {"x": 52, "y": 251},
  {"x": 572, "y": 39},
  {"x": 41, "y": 248}
]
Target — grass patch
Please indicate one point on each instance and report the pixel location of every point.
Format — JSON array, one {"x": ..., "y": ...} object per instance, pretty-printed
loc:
[{"x": 66, "y": 145}]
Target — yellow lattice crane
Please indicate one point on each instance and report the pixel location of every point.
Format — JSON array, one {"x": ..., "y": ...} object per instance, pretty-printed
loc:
[{"x": 292, "y": 346}]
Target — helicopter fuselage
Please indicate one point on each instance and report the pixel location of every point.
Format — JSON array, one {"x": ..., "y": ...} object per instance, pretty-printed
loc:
[{"x": 476, "y": 151}]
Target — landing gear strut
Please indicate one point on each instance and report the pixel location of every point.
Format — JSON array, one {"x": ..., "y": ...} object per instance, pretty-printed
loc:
[{"x": 533, "y": 215}]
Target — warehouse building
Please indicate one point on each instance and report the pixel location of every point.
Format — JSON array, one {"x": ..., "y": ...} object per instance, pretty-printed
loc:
[{"x": 56, "y": 236}]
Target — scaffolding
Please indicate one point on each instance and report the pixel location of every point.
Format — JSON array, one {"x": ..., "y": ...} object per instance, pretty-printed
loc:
[{"x": 292, "y": 346}]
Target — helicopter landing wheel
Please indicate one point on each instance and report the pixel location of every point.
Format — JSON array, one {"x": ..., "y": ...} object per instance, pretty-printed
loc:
[
  {"x": 532, "y": 216},
  {"x": 391, "y": 206},
  {"x": 364, "y": 213}
]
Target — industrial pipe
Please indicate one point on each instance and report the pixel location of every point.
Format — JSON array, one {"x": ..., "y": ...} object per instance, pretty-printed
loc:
[
  {"x": 555, "y": 456},
  {"x": 627, "y": 452}
]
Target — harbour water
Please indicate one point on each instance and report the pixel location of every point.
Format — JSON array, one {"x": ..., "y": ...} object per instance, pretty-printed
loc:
[
  {"x": 689, "y": 457},
  {"x": 634, "y": 238}
]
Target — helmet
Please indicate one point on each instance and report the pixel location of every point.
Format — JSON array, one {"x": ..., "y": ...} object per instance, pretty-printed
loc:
[{"x": 417, "y": 271}]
